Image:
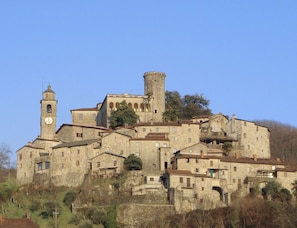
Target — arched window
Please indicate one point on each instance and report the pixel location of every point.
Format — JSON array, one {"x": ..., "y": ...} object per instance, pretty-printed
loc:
[
  {"x": 49, "y": 108},
  {"x": 142, "y": 107},
  {"x": 136, "y": 107},
  {"x": 111, "y": 105},
  {"x": 130, "y": 105}
]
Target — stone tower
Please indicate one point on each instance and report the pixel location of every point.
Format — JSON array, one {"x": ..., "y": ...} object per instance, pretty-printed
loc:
[
  {"x": 48, "y": 118},
  {"x": 154, "y": 88}
]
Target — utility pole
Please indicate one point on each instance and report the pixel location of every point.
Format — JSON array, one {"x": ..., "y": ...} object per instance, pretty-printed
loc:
[{"x": 55, "y": 214}]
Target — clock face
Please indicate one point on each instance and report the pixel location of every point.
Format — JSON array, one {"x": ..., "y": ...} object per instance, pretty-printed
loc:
[{"x": 48, "y": 120}]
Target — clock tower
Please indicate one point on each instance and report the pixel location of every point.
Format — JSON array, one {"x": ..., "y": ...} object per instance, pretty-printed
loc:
[{"x": 48, "y": 117}]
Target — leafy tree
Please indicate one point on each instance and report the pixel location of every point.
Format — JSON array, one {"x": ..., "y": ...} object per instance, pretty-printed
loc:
[
  {"x": 195, "y": 105},
  {"x": 69, "y": 198},
  {"x": 284, "y": 195},
  {"x": 173, "y": 106},
  {"x": 123, "y": 115},
  {"x": 187, "y": 107},
  {"x": 132, "y": 162}
]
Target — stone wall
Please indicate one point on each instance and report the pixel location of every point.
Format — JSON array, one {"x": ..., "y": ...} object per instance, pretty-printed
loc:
[{"x": 135, "y": 215}]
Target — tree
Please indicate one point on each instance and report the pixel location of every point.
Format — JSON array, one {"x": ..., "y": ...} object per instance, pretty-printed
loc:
[
  {"x": 123, "y": 115},
  {"x": 186, "y": 107},
  {"x": 4, "y": 156},
  {"x": 132, "y": 162},
  {"x": 195, "y": 105},
  {"x": 173, "y": 106}
]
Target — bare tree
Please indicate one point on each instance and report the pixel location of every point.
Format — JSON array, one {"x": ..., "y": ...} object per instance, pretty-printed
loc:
[{"x": 4, "y": 156}]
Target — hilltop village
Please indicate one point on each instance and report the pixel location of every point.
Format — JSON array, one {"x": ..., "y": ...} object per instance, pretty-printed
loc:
[{"x": 187, "y": 160}]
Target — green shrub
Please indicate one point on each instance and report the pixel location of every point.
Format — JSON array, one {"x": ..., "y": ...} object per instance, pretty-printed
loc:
[
  {"x": 86, "y": 224},
  {"x": 35, "y": 206},
  {"x": 69, "y": 198},
  {"x": 98, "y": 217}
]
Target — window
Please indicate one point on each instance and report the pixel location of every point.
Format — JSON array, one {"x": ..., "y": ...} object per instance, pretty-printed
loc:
[
  {"x": 151, "y": 179},
  {"x": 78, "y": 151},
  {"x": 211, "y": 163},
  {"x": 234, "y": 168},
  {"x": 79, "y": 135},
  {"x": 98, "y": 164},
  {"x": 144, "y": 129},
  {"x": 80, "y": 116},
  {"x": 233, "y": 180},
  {"x": 257, "y": 129},
  {"x": 197, "y": 160},
  {"x": 197, "y": 170},
  {"x": 77, "y": 163},
  {"x": 202, "y": 179},
  {"x": 39, "y": 166},
  {"x": 49, "y": 108},
  {"x": 114, "y": 163},
  {"x": 202, "y": 188},
  {"x": 189, "y": 130},
  {"x": 62, "y": 154},
  {"x": 244, "y": 135},
  {"x": 47, "y": 165},
  {"x": 21, "y": 165},
  {"x": 189, "y": 140},
  {"x": 181, "y": 180},
  {"x": 31, "y": 154},
  {"x": 20, "y": 157},
  {"x": 244, "y": 123},
  {"x": 188, "y": 160}
]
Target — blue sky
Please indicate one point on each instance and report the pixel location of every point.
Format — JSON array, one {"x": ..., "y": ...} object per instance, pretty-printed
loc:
[{"x": 242, "y": 55}]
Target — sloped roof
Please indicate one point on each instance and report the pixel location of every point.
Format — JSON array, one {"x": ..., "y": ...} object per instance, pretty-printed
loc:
[{"x": 77, "y": 143}]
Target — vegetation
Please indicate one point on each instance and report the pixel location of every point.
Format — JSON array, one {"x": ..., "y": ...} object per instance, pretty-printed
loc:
[
  {"x": 123, "y": 115},
  {"x": 132, "y": 162},
  {"x": 4, "y": 158},
  {"x": 187, "y": 107}
]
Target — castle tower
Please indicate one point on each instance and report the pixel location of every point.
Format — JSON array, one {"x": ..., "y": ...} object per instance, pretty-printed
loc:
[
  {"x": 48, "y": 116},
  {"x": 154, "y": 88}
]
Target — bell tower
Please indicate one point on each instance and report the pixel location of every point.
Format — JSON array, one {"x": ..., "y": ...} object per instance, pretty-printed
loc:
[{"x": 48, "y": 116}]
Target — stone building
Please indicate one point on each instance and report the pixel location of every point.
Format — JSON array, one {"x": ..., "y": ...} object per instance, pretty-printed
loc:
[
  {"x": 200, "y": 162},
  {"x": 149, "y": 107}
]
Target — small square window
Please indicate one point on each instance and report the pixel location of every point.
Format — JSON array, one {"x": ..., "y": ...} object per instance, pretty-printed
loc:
[{"x": 181, "y": 180}]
